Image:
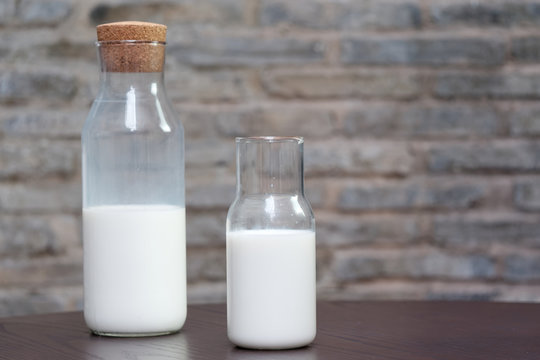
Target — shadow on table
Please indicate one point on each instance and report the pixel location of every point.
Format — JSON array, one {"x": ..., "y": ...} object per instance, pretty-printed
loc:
[
  {"x": 152, "y": 348},
  {"x": 305, "y": 353}
]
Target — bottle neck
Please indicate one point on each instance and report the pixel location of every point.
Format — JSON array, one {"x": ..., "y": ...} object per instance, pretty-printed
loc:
[
  {"x": 131, "y": 66},
  {"x": 269, "y": 165},
  {"x": 113, "y": 84}
]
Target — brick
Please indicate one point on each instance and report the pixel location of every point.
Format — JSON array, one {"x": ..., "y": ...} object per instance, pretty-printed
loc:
[
  {"x": 208, "y": 153},
  {"x": 42, "y": 271},
  {"x": 375, "y": 290},
  {"x": 22, "y": 236},
  {"x": 209, "y": 86},
  {"x": 518, "y": 293},
  {"x": 527, "y": 196},
  {"x": 525, "y": 121},
  {"x": 503, "y": 85},
  {"x": 342, "y": 84},
  {"x": 207, "y": 293},
  {"x": 348, "y": 268},
  {"x": 277, "y": 121},
  {"x": 19, "y": 86},
  {"x": 415, "y": 264},
  {"x": 367, "y": 230},
  {"x": 206, "y": 265},
  {"x": 217, "y": 12},
  {"x": 205, "y": 228},
  {"x": 377, "y": 15},
  {"x": 484, "y": 232},
  {"x": 210, "y": 196},
  {"x": 462, "y": 292},
  {"x": 302, "y": 13},
  {"x": 69, "y": 49},
  {"x": 522, "y": 268},
  {"x": 67, "y": 230},
  {"x": 315, "y": 193},
  {"x": 445, "y": 121},
  {"x": 51, "y": 124},
  {"x": 484, "y": 13},
  {"x": 25, "y": 303},
  {"x": 40, "y": 196},
  {"x": 23, "y": 159},
  {"x": 323, "y": 263},
  {"x": 14, "y": 302},
  {"x": 198, "y": 123},
  {"x": 4, "y": 50},
  {"x": 38, "y": 12},
  {"x": 353, "y": 157},
  {"x": 474, "y": 158},
  {"x": 409, "y": 196},
  {"x": 7, "y": 11},
  {"x": 423, "y": 51},
  {"x": 25, "y": 237},
  {"x": 525, "y": 49},
  {"x": 246, "y": 51},
  {"x": 347, "y": 15}
]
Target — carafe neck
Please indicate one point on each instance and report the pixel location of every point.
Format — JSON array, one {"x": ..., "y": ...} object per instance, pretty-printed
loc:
[
  {"x": 131, "y": 66},
  {"x": 113, "y": 84},
  {"x": 270, "y": 165}
]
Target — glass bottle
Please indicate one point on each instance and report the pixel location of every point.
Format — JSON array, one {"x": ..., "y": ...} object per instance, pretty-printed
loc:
[
  {"x": 271, "y": 282},
  {"x": 133, "y": 190}
]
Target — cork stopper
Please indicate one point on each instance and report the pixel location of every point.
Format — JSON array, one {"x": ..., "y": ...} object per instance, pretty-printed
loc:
[
  {"x": 131, "y": 30},
  {"x": 132, "y": 46}
]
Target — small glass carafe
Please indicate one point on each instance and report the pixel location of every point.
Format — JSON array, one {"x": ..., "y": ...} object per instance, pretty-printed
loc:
[{"x": 271, "y": 282}]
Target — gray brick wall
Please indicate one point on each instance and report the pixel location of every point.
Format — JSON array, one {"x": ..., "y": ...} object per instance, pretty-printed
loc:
[{"x": 421, "y": 120}]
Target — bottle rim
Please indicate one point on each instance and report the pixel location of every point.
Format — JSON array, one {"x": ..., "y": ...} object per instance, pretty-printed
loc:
[
  {"x": 129, "y": 42},
  {"x": 270, "y": 139}
]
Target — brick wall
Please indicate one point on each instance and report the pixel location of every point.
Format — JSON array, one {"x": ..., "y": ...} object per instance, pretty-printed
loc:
[{"x": 421, "y": 119}]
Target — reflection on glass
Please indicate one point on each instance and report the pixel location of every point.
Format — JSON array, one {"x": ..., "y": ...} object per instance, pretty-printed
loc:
[{"x": 152, "y": 348}]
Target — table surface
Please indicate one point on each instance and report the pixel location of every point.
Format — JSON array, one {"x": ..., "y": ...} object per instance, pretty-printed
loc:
[{"x": 346, "y": 330}]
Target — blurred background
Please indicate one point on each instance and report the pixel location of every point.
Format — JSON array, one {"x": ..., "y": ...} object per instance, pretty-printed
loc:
[{"x": 421, "y": 120}]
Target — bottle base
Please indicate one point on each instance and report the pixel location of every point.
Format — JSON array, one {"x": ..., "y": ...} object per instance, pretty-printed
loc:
[
  {"x": 272, "y": 348},
  {"x": 267, "y": 343},
  {"x": 133, "y": 335}
]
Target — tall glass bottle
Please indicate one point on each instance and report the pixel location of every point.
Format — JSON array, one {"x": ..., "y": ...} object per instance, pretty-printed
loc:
[
  {"x": 271, "y": 295},
  {"x": 133, "y": 190}
]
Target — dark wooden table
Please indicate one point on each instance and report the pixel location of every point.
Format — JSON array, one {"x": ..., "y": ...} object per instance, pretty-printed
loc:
[{"x": 346, "y": 330}]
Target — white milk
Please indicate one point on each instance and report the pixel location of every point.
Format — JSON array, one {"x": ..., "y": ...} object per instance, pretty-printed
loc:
[
  {"x": 271, "y": 295},
  {"x": 134, "y": 269}
]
